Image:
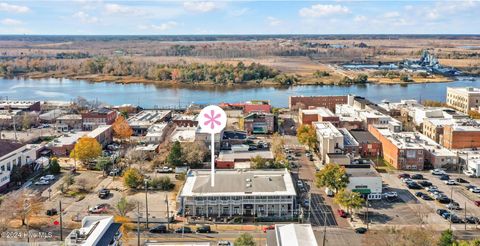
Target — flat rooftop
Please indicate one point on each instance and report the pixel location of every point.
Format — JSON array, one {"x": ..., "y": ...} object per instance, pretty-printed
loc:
[
  {"x": 362, "y": 172},
  {"x": 295, "y": 235},
  {"x": 348, "y": 139},
  {"x": 70, "y": 117},
  {"x": 230, "y": 182},
  {"x": 99, "y": 130},
  {"x": 364, "y": 137},
  {"x": 68, "y": 139},
  {"x": 465, "y": 90},
  {"x": 184, "y": 134},
  {"x": 324, "y": 112},
  {"x": 230, "y": 155},
  {"x": 326, "y": 129},
  {"x": 148, "y": 117}
]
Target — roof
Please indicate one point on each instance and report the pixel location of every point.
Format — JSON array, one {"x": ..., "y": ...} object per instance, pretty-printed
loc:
[
  {"x": 146, "y": 118},
  {"x": 99, "y": 130},
  {"x": 95, "y": 229},
  {"x": 362, "y": 172},
  {"x": 109, "y": 234},
  {"x": 229, "y": 155},
  {"x": 184, "y": 134},
  {"x": 70, "y": 117},
  {"x": 295, "y": 235},
  {"x": 9, "y": 146},
  {"x": 229, "y": 182},
  {"x": 464, "y": 90},
  {"x": 68, "y": 139},
  {"x": 323, "y": 112},
  {"x": 364, "y": 137},
  {"x": 326, "y": 129},
  {"x": 348, "y": 139}
]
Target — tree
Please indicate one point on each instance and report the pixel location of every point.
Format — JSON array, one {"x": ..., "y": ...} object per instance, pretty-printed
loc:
[
  {"x": 277, "y": 147},
  {"x": 244, "y": 240},
  {"x": 175, "y": 157},
  {"x": 54, "y": 167},
  {"x": 22, "y": 206},
  {"x": 124, "y": 206},
  {"x": 121, "y": 128},
  {"x": 307, "y": 135},
  {"x": 361, "y": 79},
  {"x": 194, "y": 153},
  {"x": 446, "y": 238},
  {"x": 162, "y": 183},
  {"x": 349, "y": 199},
  {"x": 132, "y": 178},
  {"x": 102, "y": 164},
  {"x": 332, "y": 176},
  {"x": 474, "y": 114},
  {"x": 258, "y": 162},
  {"x": 86, "y": 149}
]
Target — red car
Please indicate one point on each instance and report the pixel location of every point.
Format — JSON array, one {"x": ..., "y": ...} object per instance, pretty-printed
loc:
[
  {"x": 342, "y": 213},
  {"x": 477, "y": 203},
  {"x": 266, "y": 228}
]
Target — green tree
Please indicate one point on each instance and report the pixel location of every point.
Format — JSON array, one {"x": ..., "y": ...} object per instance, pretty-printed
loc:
[
  {"x": 175, "y": 157},
  {"x": 124, "y": 206},
  {"x": 446, "y": 238},
  {"x": 258, "y": 162},
  {"x": 332, "y": 176},
  {"x": 132, "y": 178},
  {"x": 244, "y": 240},
  {"x": 349, "y": 199},
  {"x": 307, "y": 135},
  {"x": 361, "y": 79},
  {"x": 54, "y": 167},
  {"x": 102, "y": 164}
]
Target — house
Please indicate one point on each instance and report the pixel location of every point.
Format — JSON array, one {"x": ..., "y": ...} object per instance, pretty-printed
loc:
[
  {"x": 141, "y": 121},
  {"x": 51, "y": 116},
  {"x": 292, "y": 235},
  {"x": 95, "y": 230},
  {"x": 249, "y": 193},
  {"x": 63, "y": 145},
  {"x": 69, "y": 122},
  {"x": 329, "y": 138},
  {"x": 98, "y": 117},
  {"x": 258, "y": 123},
  {"x": 14, "y": 154},
  {"x": 184, "y": 120},
  {"x": 462, "y": 135}
]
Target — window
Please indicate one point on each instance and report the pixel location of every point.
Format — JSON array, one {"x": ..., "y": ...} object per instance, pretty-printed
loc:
[
  {"x": 361, "y": 186},
  {"x": 2, "y": 168}
]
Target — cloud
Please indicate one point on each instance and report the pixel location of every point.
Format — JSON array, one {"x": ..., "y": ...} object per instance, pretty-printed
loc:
[
  {"x": 10, "y": 22},
  {"x": 198, "y": 6},
  {"x": 238, "y": 12},
  {"x": 272, "y": 21},
  {"x": 162, "y": 27},
  {"x": 112, "y": 8},
  {"x": 360, "y": 18},
  {"x": 85, "y": 18},
  {"x": 392, "y": 14},
  {"x": 446, "y": 8},
  {"x": 320, "y": 10},
  {"x": 13, "y": 8}
]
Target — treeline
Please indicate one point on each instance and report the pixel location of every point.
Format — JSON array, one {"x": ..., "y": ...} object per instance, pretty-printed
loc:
[{"x": 193, "y": 72}]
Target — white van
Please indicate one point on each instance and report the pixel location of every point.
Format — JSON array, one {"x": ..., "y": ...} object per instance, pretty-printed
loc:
[{"x": 329, "y": 192}]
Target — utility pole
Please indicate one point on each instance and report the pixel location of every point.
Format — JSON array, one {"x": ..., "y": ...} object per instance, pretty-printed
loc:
[
  {"x": 138, "y": 223},
  {"x": 465, "y": 216},
  {"x": 146, "y": 203},
  {"x": 367, "y": 213},
  {"x": 61, "y": 221},
  {"x": 168, "y": 212}
]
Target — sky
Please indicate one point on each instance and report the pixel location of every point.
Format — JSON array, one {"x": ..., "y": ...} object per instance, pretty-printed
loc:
[{"x": 102, "y": 17}]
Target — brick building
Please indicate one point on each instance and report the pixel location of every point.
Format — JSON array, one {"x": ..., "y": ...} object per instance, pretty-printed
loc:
[
  {"x": 304, "y": 102},
  {"x": 320, "y": 114},
  {"x": 369, "y": 146},
  {"x": 461, "y": 136},
  {"x": 98, "y": 117},
  {"x": 258, "y": 123}
]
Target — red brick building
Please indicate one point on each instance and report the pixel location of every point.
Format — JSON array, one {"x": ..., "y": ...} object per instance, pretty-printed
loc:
[
  {"x": 461, "y": 136},
  {"x": 304, "y": 102},
  {"x": 369, "y": 146},
  {"x": 320, "y": 114},
  {"x": 98, "y": 117}
]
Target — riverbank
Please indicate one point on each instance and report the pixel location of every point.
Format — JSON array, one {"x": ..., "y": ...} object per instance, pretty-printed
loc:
[{"x": 302, "y": 80}]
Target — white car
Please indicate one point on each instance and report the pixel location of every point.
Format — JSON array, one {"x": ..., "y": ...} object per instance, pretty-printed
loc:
[
  {"x": 47, "y": 177},
  {"x": 469, "y": 173},
  {"x": 407, "y": 180},
  {"x": 438, "y": 172},
  {"x": 391, "y": 194},
  {"x": 450, "y": 182},
  {"x": 42, "y": 182},
  {"x": 300, "y": 183},
  {"x": 474, "y": 190}
]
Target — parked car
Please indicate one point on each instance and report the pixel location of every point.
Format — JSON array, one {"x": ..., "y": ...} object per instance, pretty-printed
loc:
[
  {"x": 441, "y": 211},
  {"x": 52, "y": 212},
  {"x": 407, "y": 180},
  {"x": 114, "y": 172},
  {"x": 414, "y": 186},
  {"x": 306, "y": 203},
  {"x": 438, "y": 171},
  {"x": 475, "y": 189},
  {"x": 342, "y": 213},
  {"x": 417, "y": 176},
  {"x": 183, "y": 229},
  {"x": 360, "y": 230},
  {"x": 329, "y": 192},
  {"x": 100, "y": 208},
  {"x": 431, "y": 188},
  {"x": 159, "y": 229},
  {"x": 42, "y": 182},
  {"x": 446, "y": 215},
  {"x": 443, "y": 200},
  {"x": 425, "y": 183},
  {"x": 472, "y": 220},
  {"x": 164, "y": 170},
  {"x": 419, "y": 194},
  {"x": 267, "y": 228},
  {"x": 48, "y": 177},
  {"x": 455, "y": 219},
  {"x": 453, "y": 205},
  {"x": 451, "y": 182},
  {"x": 463, "y": 181},
  {"x": 299, "y": 183},
  {"x": 390, "y": 194},
  {"x": 403, "y": 175},
  {"x": 477, "y": 203},
  {"x": 444, "y": 177},
  {"x": 204, "y": 229},
  {"x": 224, "y": 243},
  {"x": 104, "y": 193},
  {"x": 426, "y": 197},
  {"x": 469, "y": 173}
]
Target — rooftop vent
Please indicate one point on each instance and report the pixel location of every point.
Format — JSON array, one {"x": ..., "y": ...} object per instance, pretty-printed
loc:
[{"x": 248, "y": 185}]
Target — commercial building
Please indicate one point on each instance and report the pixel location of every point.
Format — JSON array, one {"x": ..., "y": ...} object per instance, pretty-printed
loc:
[
  {"x": 69, "y": 122},
  {"x": 292, "y": 235},
  {"x": 320, "y": 114},
  {"x": 146, "y": 118},
  {"x": 183, "y": 134},
  {"x": 422, "y": 113},
  {"x": 20, "y": 105},
  {"x": 463, "y": 99},
  {"x": 369, "y": 146},
  {"x": 103, "y": 134},
  {"x": 51, "y": 116},
  {"x": 433, "y": 128},
  {"x": 329, "y": 138},
  {"x": 95, "y": 230},
  {"x": 14, "y": 154},
  {"x": 185, "y": 120},
  {"x": 258, "y": 123},
  {"x": 350, "y": 144},
  {"x": 240, "y": 158},
  {"x": 98, "y": 117},
  {"x": 365, "y": 180},
  {"x": 157, "y": 133},
  {"x": 305, "y": 102},
  {"x": 462, "y": 135},
  {"x": 63, "y": 145},
  {"x": 249, "y": 193}
]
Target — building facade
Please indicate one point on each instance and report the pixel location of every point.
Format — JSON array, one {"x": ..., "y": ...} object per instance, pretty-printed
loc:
[
  {"x": 14, "y": 154},
  {"x": 329, "y": 138},
  {"x": 305, "y": 102},
  {"x": 98, "y": 117},
  {"x": 462, "y": 136},
  {"x": 259, "y": 123},
  {"x": 463, "y": 99}
]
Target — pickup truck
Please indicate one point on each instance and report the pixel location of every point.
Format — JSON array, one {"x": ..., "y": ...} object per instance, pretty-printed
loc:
[{"x": 164, "y": 170}]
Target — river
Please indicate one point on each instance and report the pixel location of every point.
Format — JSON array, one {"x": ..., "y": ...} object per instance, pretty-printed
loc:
[{"x": 149, "y": 95}]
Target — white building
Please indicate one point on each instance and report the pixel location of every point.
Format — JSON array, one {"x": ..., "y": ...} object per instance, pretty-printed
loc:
[
  {"x": 156, "y": 133},
  {"x": 291, "y": 235},
  {"x": 330, "y": 139},
  {"x": 14, "y": 154},
  {"x": 95, "y": 230},
  {"x": 365, "y": 180},
  {"x": 146, "y": 118},
  {"x": 463, "y": 99},
  {"x": 250, "y": 193}
]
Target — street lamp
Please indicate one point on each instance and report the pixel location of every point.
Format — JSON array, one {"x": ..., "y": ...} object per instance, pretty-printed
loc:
[{"x": 146, "y": 201}]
